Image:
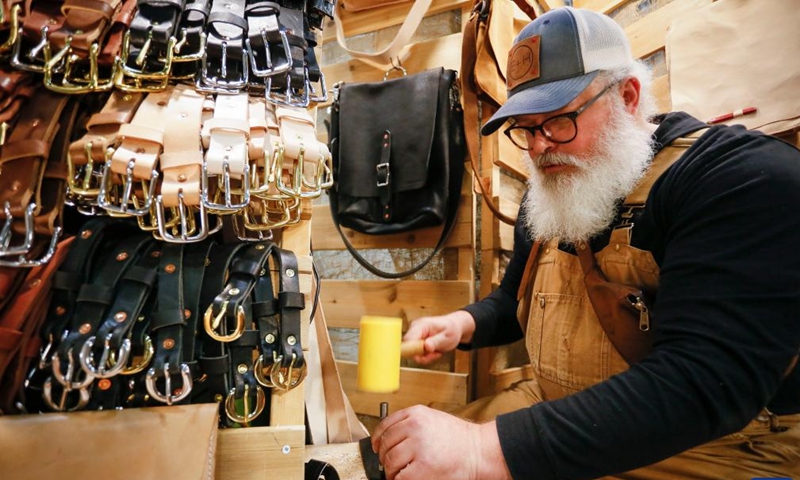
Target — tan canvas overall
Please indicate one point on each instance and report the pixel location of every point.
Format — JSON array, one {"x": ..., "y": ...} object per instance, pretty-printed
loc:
[{"x": 569, "y": 351}]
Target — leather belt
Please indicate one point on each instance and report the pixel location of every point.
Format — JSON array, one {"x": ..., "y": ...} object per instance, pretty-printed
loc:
[
  {"x": 10, "y": 12},
  {"x": 291, "y": 89},
  {"x": 149, "y": 46},
  {"x": 134, "y": 160},
  {"x": 92, "y": 300},
  {"x": 191, "y": 44},
  {"x": 116, "y": 34},
  {"x": 20, "y": 322},
  {"x": 41, "y": 19},
  {"x": 181, "y": 167},
  {"x": 225, "y": 137},
  {"x": 132, "y": 295},
  {"x": 224, "y": 67},
  {"x": 24, "y": 164},
  {"x": 88, "y": 155},
  {"x": 267, "y": 44},
  {"x": 16, "y": 87},
  {"x": 167, "y": 329},
  {"x": 73, "y": 272},
  {"x": 290, "y": 302}
]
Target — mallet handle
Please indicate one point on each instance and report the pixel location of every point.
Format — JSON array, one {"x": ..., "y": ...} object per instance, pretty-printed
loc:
[{"x": 412, "y": 348}]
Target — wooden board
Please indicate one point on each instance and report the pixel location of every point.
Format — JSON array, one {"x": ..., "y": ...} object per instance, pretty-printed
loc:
[
  {"x": 603, "y": 6},
  {"x": 326, "y": 237},
  {"x": 440, "y": 52},
  {"x": 417, "y": 386},
  {"x": 355, "y": 23},
  {"x": 648, "y": 34},
  {"x": 260, "y": 453},
  {"x": 661, "y": 92},
  {"x": 344, "y": 302}
]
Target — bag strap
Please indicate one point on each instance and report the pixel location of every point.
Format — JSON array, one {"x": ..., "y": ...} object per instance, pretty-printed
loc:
[
  {"x": 398, "y": 48},
  {"x": 449, "y": 223},
  {"x": 471, "y": 104}
]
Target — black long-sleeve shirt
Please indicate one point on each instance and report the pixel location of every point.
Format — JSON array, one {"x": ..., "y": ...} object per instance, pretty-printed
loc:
[{"x": 723, "y": 224}]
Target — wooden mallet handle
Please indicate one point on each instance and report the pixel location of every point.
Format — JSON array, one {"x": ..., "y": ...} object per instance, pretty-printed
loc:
[{"x": 412, "y": 348}]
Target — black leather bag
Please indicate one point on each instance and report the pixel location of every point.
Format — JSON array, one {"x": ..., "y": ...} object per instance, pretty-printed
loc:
[{"x": 398, "y": 155}]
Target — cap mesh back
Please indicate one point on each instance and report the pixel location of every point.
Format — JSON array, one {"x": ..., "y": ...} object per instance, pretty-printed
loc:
[{"x": 604, "y": 45}]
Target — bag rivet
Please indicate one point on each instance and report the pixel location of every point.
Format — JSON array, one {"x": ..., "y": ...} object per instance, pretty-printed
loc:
[
  {"x": 85, "y": 328},
  {"x": 269, "y": 338},
  {"x": 122, "y": 256},
  {"x": 291, "y": 340},
  {"x": 168, "y": 343},
  {"x": 169, "y": 268},
  {"x": 120, "y": 316},
  {"x": 241, "y": 368},
  {"x": 86, "y": 234},
  {"x": 289, "y": 272},
  {"x": 234, "y": 291}
]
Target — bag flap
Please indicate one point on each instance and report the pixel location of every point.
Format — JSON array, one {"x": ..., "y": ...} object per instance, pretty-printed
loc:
[{"x": 404, "y": 106}]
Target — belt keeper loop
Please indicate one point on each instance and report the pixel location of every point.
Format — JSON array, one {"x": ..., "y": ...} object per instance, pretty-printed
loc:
[{"x": 383, "y": 174}]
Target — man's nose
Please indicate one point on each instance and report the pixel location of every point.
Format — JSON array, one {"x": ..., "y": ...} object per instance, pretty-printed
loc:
[{"x": 538, "y": 143}]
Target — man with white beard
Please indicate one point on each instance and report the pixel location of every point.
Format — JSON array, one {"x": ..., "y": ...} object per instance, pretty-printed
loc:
[{"x": 688, "y": 373}]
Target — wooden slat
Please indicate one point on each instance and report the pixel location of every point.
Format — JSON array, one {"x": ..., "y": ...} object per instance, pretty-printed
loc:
[
  {"x": 261, "y": 452},
  {"x": 327, "y": 238},
  {"x": 355, "y": 23},
  {"x": 509, "y": 156},
  {"x": 440, "y": 52},
  {"x": 648, "y": 34},
  {"x": 505, "y": 234},
  {"x": 345, "y": 301},
  {"x": 417, "y": 386},
  {"x": 603, "y": 6},
  {"x": 551, "y": 4},
  {"x": 661, "y": 92}
]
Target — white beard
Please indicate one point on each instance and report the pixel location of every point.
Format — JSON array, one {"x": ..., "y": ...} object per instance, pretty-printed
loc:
[{"x": 576, "y": 206}]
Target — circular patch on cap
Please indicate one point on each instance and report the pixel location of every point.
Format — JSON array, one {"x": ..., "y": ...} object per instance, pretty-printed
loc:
[{"x": 523, "y": 62}]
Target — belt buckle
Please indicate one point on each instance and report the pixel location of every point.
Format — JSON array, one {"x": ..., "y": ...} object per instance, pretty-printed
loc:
[
  {"x": 229, "y": 206},
  {"x": 31, "y": 65},
  {"x": 271, "y": 68},
  {"x": 211, "y": 322},
  {"x": 83, "y": 181},
  {"x": 184, "y": 223},
  {"x": 13, "y": 30},
  {"x": 314, "y": 96},
  {"x": 221, "y": 81},
  {"x": 91, "y": 82},
  {"x": 98, "y": 368},
  {"x": 247, "y": 414},
  {"x": 169, "y": 398},
  {"x": 133, "y": 79},
  {"x": 126, "y": 205},
  {"x": 378, "y": 168},
  {"x": 289, "y": 98}
]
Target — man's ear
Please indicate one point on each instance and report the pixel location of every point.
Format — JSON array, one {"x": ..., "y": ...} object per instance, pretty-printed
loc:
[{"x": 630, "y": 94}]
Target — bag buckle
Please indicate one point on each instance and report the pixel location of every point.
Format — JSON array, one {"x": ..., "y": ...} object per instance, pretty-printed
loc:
[{"x": 383, "y": 174}]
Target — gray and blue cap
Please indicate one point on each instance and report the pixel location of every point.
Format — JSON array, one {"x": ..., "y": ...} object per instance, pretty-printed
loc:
[{"x": 555, "y": 57}]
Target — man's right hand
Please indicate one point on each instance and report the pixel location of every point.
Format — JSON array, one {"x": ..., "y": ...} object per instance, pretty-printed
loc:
[{"x": 441, "y": 334}]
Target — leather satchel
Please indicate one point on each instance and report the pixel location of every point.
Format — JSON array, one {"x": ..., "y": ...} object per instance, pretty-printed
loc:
[{"x": 398, "y": 152}]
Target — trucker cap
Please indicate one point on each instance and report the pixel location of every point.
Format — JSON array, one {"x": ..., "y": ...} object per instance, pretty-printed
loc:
[{"x": 555, "y": 57}]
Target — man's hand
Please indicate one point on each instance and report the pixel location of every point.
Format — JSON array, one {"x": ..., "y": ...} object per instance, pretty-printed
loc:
[
  {"x": 441, "y": 334},
  {"x": 420, "y": 442}
]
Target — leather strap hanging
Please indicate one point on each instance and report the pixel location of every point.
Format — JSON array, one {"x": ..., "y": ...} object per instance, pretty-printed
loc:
[{"x": 483, "y": 96}]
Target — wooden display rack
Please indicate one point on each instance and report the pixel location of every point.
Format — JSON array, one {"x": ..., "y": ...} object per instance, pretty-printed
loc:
[{"x": 277, "y": 451}]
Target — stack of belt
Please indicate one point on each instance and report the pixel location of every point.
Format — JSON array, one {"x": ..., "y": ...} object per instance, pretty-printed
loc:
[
  {"x": 118, "y": 320},
  {"x": 218, "y": 46}
]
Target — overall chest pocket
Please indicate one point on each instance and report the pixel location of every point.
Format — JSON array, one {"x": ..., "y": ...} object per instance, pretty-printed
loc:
[{"x": 567, "y": 344}]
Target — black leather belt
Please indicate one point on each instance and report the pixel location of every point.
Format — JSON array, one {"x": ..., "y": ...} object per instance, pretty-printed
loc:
[
  {"x": 267, "y": 44},
  {"x": 224, "y": 66}
]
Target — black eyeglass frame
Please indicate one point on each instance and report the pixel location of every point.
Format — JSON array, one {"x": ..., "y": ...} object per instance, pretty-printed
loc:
[{"x": 573, "y": 115}]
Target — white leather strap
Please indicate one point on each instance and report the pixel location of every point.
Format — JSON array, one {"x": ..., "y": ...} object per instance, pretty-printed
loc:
[
  {"x": 398, "y": 49},
  {"x": 182, "y": 160},
  {"x": 143, "y": 138},
  {"x": 227, "y": 134}
]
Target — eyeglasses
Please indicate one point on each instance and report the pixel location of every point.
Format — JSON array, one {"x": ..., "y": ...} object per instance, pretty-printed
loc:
[{"x": 561, "y": 128}]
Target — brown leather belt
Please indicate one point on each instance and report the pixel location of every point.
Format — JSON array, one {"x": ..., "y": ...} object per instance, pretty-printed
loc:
[{"x": 20, "y": 322}]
